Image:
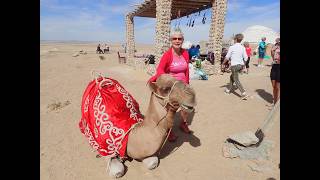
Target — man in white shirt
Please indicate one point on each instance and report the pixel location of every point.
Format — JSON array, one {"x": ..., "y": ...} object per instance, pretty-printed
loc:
[{"x": 237, "y": 55}]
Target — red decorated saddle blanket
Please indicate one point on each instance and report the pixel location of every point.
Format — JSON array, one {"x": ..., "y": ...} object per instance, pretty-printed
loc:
[{"x": 108, "y": 113}]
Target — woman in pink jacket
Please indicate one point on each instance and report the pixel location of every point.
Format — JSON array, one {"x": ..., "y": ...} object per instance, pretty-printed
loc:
[{"x": 175, "y": 62}]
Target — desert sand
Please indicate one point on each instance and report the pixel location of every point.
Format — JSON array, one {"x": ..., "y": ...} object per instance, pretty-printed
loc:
[{"x": 66, "y": 154}]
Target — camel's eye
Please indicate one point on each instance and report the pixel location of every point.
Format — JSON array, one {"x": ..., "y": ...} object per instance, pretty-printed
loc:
[{"x": 166, "y": 89}]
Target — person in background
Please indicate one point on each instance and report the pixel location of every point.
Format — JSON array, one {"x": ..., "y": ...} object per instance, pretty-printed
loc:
[
  {"x": 190, "y": 50},
  {"x": 210, "y": 56},
  {"x": 175, "y": 62},
  {"x": 102, "y": 47},
  {"x": 248, "y": 51},
  {"x": 237, "y": 56},
  {"x": 124, "y": 46},
  {"x": 198, "y": 50},
  {"x": 105, "y": 48},
  {"x": 261, "y": 51},
  {"x": 275, "y": 71},
  {"x": 99, "y": 49},
  {"x": 224, "y": 66},
  {"x": 193, "y": 52}
]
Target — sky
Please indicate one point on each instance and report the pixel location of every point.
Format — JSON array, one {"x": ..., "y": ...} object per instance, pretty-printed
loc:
[{"x": 104, "y": 20}]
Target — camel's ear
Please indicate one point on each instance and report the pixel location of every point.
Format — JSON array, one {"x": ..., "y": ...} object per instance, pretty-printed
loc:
[{"x": 153, "y": 86}]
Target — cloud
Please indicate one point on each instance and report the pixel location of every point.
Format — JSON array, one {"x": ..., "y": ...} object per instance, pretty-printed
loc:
[
  {"x": 266, "y": 15},
  {"x": 114, "y": 9},
  {"x": 93, "y": 6},
  {"x": 84, "y": 26},
  {"x": 235, "y": 5},
  {"x": 273, "y": 7},
  {"x": 103, "y": 20},
  {"x": 238, "y": 27},
  {"x": 147, "y": 36},
  {"x": 53, "y": 6},
  {"x": 121, "y": 8},
  {"x": 67, "y": 22}
]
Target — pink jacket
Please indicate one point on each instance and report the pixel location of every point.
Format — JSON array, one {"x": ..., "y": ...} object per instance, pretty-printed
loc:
[{"x": 165, "y": 62}]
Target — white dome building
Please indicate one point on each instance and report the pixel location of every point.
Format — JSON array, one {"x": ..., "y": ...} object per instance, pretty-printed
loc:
[{"x": 253, "y": 34}]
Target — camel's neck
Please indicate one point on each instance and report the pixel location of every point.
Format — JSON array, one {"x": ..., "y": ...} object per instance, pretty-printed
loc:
[
  {"x": 157, "y": 116},
  {"x": 146, "y": 139}
]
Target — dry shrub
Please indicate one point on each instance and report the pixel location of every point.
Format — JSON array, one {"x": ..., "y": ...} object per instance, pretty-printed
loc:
[
  {"x": 58, "y": 105},
  {"x": 102, "y": 58}
]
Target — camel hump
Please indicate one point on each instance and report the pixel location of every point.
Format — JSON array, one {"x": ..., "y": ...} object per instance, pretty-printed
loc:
[{"x": 108, "y": 112}]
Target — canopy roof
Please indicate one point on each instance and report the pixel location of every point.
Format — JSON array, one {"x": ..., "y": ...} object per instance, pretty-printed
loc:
[{"x": 186, "y": 7}]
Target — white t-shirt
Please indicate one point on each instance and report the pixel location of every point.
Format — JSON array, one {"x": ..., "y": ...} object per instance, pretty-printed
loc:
[{"x": 237, "y": 54}]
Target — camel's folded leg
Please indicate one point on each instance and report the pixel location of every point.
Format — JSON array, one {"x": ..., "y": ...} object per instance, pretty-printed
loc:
[
  {"x": 116, "y": 168},
  {"x": 151, "y": 162}
]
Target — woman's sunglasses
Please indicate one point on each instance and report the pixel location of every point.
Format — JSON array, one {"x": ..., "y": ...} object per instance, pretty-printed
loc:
[{"x": 176, "y": 39}]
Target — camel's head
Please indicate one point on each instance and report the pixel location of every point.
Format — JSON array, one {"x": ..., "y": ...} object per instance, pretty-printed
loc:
[{"x": 174, "y": 92}]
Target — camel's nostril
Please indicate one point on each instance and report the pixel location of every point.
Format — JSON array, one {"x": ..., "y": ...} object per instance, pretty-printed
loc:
[{"x": 176, "y": 104}]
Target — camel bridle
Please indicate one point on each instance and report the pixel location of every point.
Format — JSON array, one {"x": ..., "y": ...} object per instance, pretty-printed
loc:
[{"x": 166, "y": 100}]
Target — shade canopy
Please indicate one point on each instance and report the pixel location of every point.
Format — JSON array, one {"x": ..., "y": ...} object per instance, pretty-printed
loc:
[{"x": 180, "y": 8}]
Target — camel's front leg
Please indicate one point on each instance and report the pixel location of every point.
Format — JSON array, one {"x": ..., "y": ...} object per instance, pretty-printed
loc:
[
  {"x": 116, "y": 168},
  {"x": 151, "y": 162}
]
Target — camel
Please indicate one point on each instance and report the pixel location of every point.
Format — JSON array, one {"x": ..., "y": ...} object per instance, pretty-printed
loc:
[{"x": 147, "y": 137}]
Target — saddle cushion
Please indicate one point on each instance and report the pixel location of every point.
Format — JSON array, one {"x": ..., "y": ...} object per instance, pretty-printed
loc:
[{"x": 108, "y": 113}]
